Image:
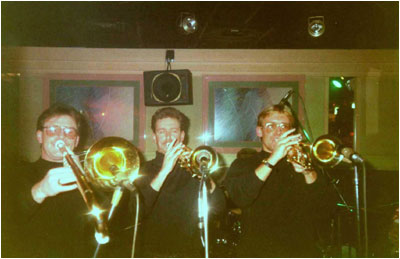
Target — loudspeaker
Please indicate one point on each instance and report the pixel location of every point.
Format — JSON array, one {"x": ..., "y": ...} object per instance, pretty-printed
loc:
[{"x": 167, "y": 87}]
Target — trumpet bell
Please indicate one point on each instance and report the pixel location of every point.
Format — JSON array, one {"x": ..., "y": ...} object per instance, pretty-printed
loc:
[
  {"x": 326, "y": 151},
  {"x": 204, "y": 156},
  {"x": 112, "y": 162}
]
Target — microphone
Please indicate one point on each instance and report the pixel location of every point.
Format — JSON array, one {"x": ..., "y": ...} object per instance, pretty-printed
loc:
[
  {"x": 350, "y": 154},
  {"x": 203, "y": 156},
  {"x": 286, "y": 98}
]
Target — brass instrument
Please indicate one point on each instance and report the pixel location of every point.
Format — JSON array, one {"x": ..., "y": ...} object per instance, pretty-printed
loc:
[
  {"x": 111, "y": 163},
  {"x": 325, "y": 152},
  {"x": 194, "y": 160}
]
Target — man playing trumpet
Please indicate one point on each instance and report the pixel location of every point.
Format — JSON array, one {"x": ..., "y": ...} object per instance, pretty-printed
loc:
[
  {"x": 278, "y": 198},
  {"x": 170, "y": 226}
]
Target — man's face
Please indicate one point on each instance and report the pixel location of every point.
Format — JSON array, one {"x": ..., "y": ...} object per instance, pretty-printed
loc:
[
  {"x": 166, "y": 130},
  {"x": 57, "y": 128},
  {"x": 273, "y": 126}
]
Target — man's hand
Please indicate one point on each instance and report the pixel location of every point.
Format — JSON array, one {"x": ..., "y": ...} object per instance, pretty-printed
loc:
[
  {"x": 283, "y": 144},
  {"x": 57, "y": 180},
  {"x": 174, "y": 150},
  {"x": 309, "y": 175}
]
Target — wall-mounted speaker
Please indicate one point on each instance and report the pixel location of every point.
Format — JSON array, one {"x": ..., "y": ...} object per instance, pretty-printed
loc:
[{"x": 167, "y": 87}]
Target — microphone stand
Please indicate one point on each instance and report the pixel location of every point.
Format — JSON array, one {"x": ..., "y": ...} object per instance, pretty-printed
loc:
[
  {"x": 356, "y": 159},
  {"x": 203, "y": 207},
  {"x": 297, "y": 122},
  {"x": 357, "y": 196},
  {"x": 362, "y": 244}
]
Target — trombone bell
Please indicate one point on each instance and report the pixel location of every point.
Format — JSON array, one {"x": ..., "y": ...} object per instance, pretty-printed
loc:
[{"x": 112, "y": 162}]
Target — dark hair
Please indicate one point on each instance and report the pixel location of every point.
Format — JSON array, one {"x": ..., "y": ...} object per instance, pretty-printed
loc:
[
  {"x": 170, "y": 112},
  {"x": 60, "y": 109},
  {"x": 275, "y": 108}
]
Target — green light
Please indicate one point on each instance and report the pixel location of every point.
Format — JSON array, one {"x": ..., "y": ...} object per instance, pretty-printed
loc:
[{"x": 337, "y": 83}]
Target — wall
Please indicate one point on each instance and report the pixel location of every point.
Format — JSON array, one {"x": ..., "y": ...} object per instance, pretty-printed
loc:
[{"x": 376, "y": 73}]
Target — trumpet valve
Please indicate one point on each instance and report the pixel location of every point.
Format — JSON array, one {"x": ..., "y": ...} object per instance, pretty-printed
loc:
[
  {"x": 300, "y": 155},
  {"x": 184, "y": 158}
]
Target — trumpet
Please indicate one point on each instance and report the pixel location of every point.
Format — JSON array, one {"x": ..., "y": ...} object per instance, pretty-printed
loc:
[
  {"x": 111, "y": 164},
  {"x": 324, "y": 152},
  {"x": 197, "y": 160}
]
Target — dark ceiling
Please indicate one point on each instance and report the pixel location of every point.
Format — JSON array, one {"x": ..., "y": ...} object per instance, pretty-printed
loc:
[{"x": 222, "y": 25}]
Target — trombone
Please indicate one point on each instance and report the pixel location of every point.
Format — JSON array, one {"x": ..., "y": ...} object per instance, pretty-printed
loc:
[{"x": 112, "y": 163}]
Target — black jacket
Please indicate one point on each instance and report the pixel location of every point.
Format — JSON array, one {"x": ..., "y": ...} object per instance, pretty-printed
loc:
[
  {"x": 58, "y": 227},
  {"x": 278, "y": 215},
  {"x": 169, "y": 227}
]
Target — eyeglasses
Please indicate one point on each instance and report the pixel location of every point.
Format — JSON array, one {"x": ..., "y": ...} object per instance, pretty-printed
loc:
[
  {"x": 271, "y": 126},
  {"x": 69, "y": 132}
]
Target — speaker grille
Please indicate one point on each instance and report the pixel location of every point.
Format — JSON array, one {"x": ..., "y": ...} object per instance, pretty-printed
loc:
[{"x": 167, "y": 87}]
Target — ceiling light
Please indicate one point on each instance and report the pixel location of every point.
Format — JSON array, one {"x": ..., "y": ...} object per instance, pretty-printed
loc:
[
  {"x": 188, "y": 23},
  {"x": 316, "y": 26}
]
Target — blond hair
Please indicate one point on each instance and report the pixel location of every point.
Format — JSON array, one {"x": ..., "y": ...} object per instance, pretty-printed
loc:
[{"x": 267, "y": 111}]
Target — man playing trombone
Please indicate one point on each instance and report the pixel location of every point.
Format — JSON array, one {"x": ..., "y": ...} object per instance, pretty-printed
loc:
[
  {"x": 51, "y": 209},
  {"x": 278, "y": 198}
]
